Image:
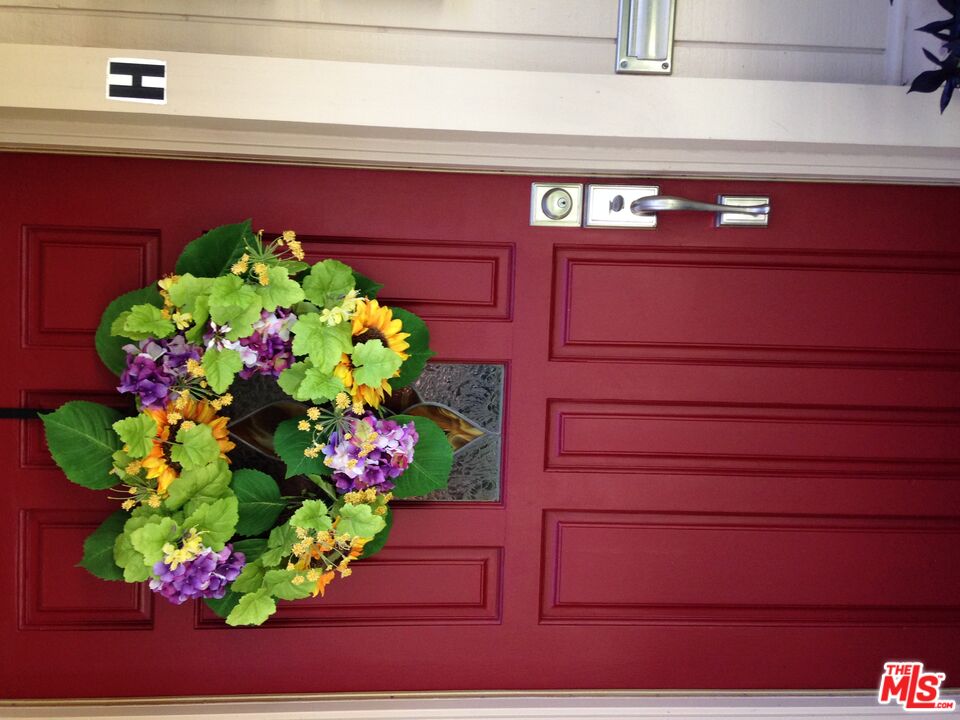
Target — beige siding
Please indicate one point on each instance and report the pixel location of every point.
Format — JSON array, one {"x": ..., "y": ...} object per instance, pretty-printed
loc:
[{"x": 816, "y": 40}]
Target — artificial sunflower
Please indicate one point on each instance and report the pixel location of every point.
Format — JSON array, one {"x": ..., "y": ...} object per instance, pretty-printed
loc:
[
  {"x": 156, "y": 463},
  {"x": 373, "y": 321}
]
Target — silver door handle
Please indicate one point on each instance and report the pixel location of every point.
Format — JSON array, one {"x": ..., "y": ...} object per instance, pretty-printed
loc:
[{"x": 660, "y": 203}]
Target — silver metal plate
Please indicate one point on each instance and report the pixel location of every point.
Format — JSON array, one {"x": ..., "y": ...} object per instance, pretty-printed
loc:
[
  {"x": 645, "y": 36},
  {"x": 603, "y": 209},
  {"x": 735, "y": 219}
]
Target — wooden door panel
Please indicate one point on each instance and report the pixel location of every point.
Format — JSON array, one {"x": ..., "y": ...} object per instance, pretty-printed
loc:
[{"x": 729, "y": 456}]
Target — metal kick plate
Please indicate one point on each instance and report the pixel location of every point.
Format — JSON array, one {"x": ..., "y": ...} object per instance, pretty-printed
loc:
[
  {"x": 609, "y": 206},
  {"x": 735, "y": 219}
]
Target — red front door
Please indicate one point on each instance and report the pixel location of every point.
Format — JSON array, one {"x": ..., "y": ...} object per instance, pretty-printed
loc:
[{"x": 729, "y": 457}]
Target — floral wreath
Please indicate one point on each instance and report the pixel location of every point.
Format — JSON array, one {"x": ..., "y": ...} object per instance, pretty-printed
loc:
[{"x": 192, "y": 523}]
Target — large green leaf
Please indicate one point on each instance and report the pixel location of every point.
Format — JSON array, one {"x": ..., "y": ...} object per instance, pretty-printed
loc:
[
  {"x": 279, "y": 583},
  {"x": 291, "y": 379},
  {"x": 251, "y": 548},
  {"x": 220, "y": 367},
  {"x": 82, "y": 442},
  {"x": 419, "y": 350},
  {"x": 212, "y": 254},
  {"x": 380, "y": 539},
  {"x": 280, "y": 290},
  {"x": 98, "y": 548},
  {"x": 374, "y": 363},
  {"x": 325, "y": 344},
  {"x": 312, "y": 515},
  {"x": 253, "y": 609},
  {"x": 150, "y": 539},
  {"x": 135, "y": 567},
  {"x": 289, "y": 443},
  {"x": 109, "y": 346},
  {"x": 143, "y": 321},
  {"x": 204, "y": 484},
  {"x": 187, "y": 290},
  {"x": 259, "y": 501},
  {"x": 328, "y": 282},
  {"x": 217, "y": 521},
  {"x": 319, "y": 387},
  {"x": 279, "y": 543},
  {"x": 359, "y": 520},
  {"x": 137, "y": 433},
  {"x": 250, "y": 578},
  {"x": 432, "y": 459},
  {"x": 195, "y": 447}
]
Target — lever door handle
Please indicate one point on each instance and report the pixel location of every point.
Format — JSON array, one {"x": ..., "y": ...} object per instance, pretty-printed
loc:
[{"x": 660, "y": 203}]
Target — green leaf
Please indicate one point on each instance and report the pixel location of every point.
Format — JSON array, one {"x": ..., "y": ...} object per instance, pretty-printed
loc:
[
  {"x": 253, "y": 609},
  {"x": 250, "y": 578},
  {"x": 319, "y": 387},
  {"x": 212, "y": 254},
  {"x": 196, "y": 447},
  {"x": 278, "y": 582},
  {"x": 150, "y": 539},
  {"x": 220, "y": 367},
  {"x": 374, "y": 363},
  {"x": 291, "y": 379},
  {"x": 201, "y": 314},
  {"x": 280, "y": 291},
  {"x": 98, "y": 548},
  {"x": 419, "y": 350},
  {"x": 365, "y": 286},
  {"x": 137, "y": 433},
  {"x": 146, "y": 321},
  {"x": 294, "y": 267},
  {"x": 205, "y": 484},
  {"x": 380, "y": 539},
  {"x": 323, "y": 484},
  {"x": 82, "y": 442},
  {"x": 223, "y": 606},
  {"x": 234, "y": 303},
  {"x": 359, "y": 520},
  {"x": 432, "y": 459},
  {"x": 325, "y": 344},
  {"x": 187, "y": 291},
  {"x": 278, "y": 545},
  {"x": 312, "y": 515},
  {"x": 252, "y": 549},
  {"x": 109, "y": 346},
  {"x": 259, "y": 501},
  {"x": 328, "y": 282},
  {"x": 217, "y": 521},
  {"x": 135, "y": 568},
  {"x": 289, "y": 443}
]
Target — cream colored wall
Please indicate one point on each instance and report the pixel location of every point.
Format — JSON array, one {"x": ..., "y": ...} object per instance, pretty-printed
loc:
[{"x": 813, "y": 40}]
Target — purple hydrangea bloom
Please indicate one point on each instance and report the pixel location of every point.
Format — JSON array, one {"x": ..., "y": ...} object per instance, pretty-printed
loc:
[
  {"x": 268, "y": 351},
  {"x": 205, "y": 576},
  {"x": 153, "y": 366},
  {"x": 376, "y": 453}
]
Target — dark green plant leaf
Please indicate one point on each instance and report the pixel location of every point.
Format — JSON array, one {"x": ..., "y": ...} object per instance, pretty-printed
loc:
[
  {"x": 110, "y": 347},
  {"x": 252, "y": 548},
  {"x": 259, "y": 501},
  {"x": 432, "y": 460},
  {"x": 289, "y": 443},
  {"x": 82, "y": 442},
  {"x": 380, "y": 539},
  {"x": 98, "y": 548},
  {"x": 419, "y": 350},
  {"x": 225, "y": 605},
  {"x": 365, "y": 286},
  {"x": 212, "y": 254}
]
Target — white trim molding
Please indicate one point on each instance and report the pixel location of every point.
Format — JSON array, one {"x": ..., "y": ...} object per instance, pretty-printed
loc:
[
  {"x": 518, "y": 707},
  {"x": 343, "y": 113}
]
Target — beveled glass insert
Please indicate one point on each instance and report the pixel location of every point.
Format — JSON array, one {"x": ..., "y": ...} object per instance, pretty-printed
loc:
[{"x": 466, "y": 399}]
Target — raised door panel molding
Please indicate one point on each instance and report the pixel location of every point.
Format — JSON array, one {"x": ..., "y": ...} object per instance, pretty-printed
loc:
[
  {"x": 55, "y": 257},
  {"x": 661, "y": 568},
  {"x": 752, "y": 439},
  {"x": 767, "y": 307},
  {"x": 436, "y": 280},
  {"x": 54, "y": 594},
  {"x": 401, "y": 586}
]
